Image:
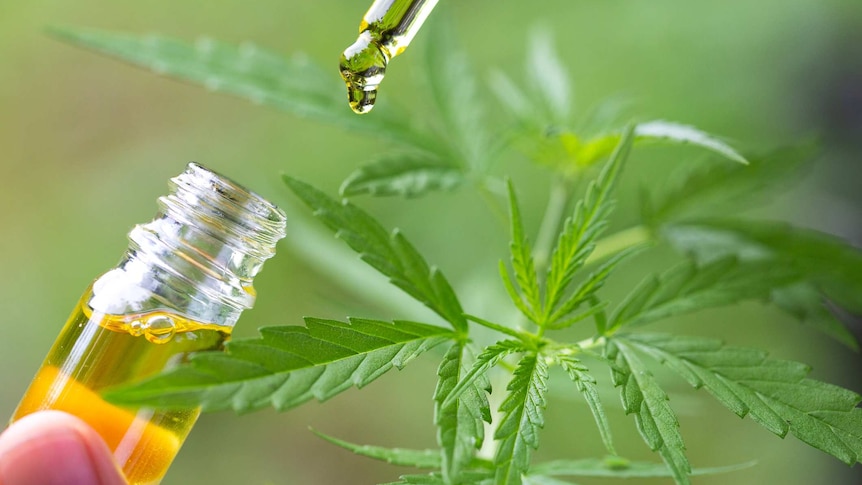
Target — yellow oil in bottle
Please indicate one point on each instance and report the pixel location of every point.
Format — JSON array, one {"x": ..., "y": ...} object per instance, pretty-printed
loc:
[
  {"x": 385, "y": 31},
  {"x": 96, "y": 351}
]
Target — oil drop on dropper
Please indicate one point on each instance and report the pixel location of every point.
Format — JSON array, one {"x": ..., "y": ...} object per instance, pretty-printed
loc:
[
  {"x": 385, "y": 31},
  {"x": 179, "y": 289}
]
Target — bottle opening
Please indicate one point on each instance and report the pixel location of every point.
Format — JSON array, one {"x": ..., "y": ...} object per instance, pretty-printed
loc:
[{"x": 199, "y": 255}]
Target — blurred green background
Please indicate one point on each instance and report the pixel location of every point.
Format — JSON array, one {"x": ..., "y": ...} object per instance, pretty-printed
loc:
[{"x": 87, "y": 144}]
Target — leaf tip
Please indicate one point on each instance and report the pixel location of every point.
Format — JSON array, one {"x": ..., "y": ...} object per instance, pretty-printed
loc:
[{"x": 58, "y": 32}]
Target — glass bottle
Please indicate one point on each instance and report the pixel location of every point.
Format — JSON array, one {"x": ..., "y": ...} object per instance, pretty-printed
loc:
[{"x": 179, "y": 288}]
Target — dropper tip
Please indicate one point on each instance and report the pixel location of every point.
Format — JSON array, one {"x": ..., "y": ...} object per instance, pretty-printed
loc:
[{"x": 362, "y": 66}]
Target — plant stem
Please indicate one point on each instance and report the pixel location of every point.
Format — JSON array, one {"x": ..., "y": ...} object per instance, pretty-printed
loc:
[{"x": 616, "y": 242}]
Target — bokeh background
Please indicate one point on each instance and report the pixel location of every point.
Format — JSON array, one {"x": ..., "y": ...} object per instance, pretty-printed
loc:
[{"x": 87, "y": 144}]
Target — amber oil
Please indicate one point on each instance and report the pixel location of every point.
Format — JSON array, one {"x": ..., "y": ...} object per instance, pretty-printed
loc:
[
  {"x": 385, "y": 32},
  {"x": 179, "y": 290},
  {"x": 95, "y": 352}
]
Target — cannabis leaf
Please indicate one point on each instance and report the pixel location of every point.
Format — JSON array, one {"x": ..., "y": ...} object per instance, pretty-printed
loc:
[
  {"x": 586, "y": 384},
  {"x": 577, "y": 240},
  {"x": 775, "y": 393},
  {"x": 286, "y": 366},
  {"x": 395, "y": 456},
  {"x": 404, "y": 174},
  {"x": 471, "y": 477},
  {"x": 454, "y": 88},
  {"x": 805, "y": 302},
  {"x": 547, "y": 77},
  {"x": 512, "y": 97},
  {"x": 610, "y": 467},
  {"x": 543, "y": 480},
  {"x": 643, "y": 397},
  {"x": 616, "y": 467},
  {"x": 832, "y": 264},
  {"x": 490, "y": 357},
  {"x": 460, "y": 428},
  {"x": 586, "y": 291},
  {"x": 295, "y": 85},
  {"x": 684, "y": 134},
  {"x": 829, "y": 268},
  {"x": 523, "y": 264},
  {"x": 543, "y": 116},
  {"x": 586, "y": 152},
  {"x": 523, "y": 416},
  {"x": 419, "y": 480},
  {"x": 390, "y": 254},
  {"x": 690, "y": 287},
  {"x": 548, "y": 97},
  {"x": 711, "y": 187}
]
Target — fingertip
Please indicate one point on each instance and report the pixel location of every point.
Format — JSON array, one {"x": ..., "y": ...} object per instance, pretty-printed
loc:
[{"x": 52, "y": 447}]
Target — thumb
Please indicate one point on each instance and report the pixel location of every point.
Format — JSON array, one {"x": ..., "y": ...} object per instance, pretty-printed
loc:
[{"x": 54, "y": 448}]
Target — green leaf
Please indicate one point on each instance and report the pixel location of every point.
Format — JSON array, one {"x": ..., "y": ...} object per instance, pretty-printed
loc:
[
  {"x": 543, "y": 480},
  {"x": 460, "y": 428},
  {"x": 522, "y": 261},
  {"x": 547, "y": 76},
  {"x": 472, "y": 477},
  {"x": 643, "y": 397},
  {"x": 587, "y": 289},
  {"x": 775, "y": 393},
  {"x": 394, "y": 456},
  {"x": 672, "y": 132},
  {"x": 403, "y": 174},
  {"x": 523, "y": 408},
  {"x": 490, "y": 357},
  {"x": 805, "y": 302},
  {"x": 596, "y": 311},
  {"x": 286, "y": 366},
  {"x": 719, "y": 187},
  {"x": 513, "y": 292},
  {"x": 547, "y": 81},
  {"x": 295, "y": 85},
  {"x": 454, "y": 88},
  {"x": 390, "y": 254},
  {"x": 511, "y": 96},
  {"x": 587, "y": 153},
  {"x": 577, "y": 240},
  {"x": 419, "y": 480},
  {"x": 600, "y": 315},
  {"x": 616, "y": 467},
  {"x": 586, "y": 383},
  {"x": 690, "y": 287},
  {"x": 605, "y": 114},
  {"x": 832, "y": 264},
  {"x": 518, "y": 334}
]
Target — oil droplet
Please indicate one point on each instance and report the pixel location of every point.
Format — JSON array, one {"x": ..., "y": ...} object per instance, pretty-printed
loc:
[{"x": 159, "y": 329}]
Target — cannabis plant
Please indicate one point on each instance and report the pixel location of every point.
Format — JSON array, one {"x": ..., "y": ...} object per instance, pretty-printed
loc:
[{"x": 555, "y": 279}]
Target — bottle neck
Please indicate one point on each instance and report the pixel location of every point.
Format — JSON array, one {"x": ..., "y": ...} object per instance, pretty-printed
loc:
[{"x": 199, "y": 255}]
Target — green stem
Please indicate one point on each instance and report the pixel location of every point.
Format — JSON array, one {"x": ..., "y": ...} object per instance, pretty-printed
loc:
[
  {"x": 584, "y": 346},
  {"x": 616, "y": 242}
]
